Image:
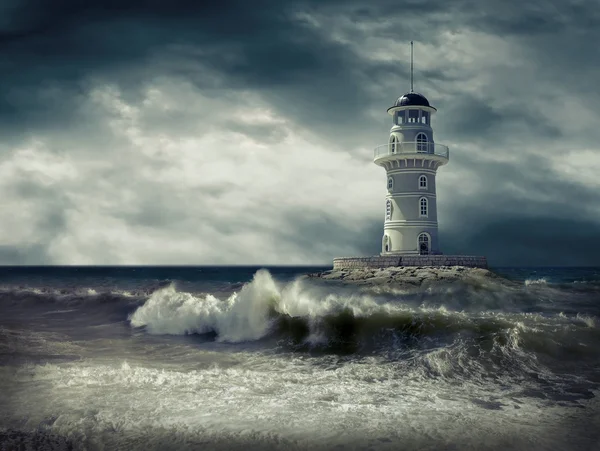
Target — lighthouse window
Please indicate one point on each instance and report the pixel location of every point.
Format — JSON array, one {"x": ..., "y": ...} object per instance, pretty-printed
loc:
[
  {"x": 423, "y": 203},
  {"x": 390, "y": 183},
  {"x": 413, "y": 116},
  {"x": 422, "y": 143},
  {"x": 423, "y": 182},
  {"x": 388, "y": 210},
  {"x": 400, "y": 118},
  {"x": 425, "y": 117}
]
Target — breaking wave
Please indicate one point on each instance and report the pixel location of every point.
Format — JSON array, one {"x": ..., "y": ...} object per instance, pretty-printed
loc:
[{"x": 307, "y": 316}]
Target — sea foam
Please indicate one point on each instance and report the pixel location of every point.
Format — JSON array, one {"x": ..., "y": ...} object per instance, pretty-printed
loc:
[
  {"x": 541, "y": 281},
  {"x": 245, "y": 315}
]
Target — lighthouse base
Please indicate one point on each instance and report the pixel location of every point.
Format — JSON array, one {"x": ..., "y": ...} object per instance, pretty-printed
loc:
[{"x": 409, "y": 260}]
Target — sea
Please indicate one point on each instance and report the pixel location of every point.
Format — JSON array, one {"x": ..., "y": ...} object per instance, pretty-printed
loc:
[{"x": 261, "y": 358}]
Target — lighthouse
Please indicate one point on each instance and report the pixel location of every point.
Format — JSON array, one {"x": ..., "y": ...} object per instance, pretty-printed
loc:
[{"x": 411, "y": 159}]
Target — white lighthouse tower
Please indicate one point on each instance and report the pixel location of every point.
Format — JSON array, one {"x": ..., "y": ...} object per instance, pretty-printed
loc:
[{"x": 411, "y": 159}]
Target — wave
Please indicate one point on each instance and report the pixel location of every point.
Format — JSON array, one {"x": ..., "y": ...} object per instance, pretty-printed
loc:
[
  {"x": 74, "y": 306},
  {"x": 308, "y": 316},
  {"x": 541, "y": 281},
  {"x": 28, "y": 296},
  {"x": 245, "y": 315}
]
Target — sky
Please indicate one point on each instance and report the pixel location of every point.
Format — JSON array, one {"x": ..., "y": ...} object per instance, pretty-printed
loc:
[{"x": 236, "y": 132}]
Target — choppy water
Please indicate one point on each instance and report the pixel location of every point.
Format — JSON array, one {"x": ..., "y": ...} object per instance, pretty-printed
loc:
[{"x": 242, "y": 358}]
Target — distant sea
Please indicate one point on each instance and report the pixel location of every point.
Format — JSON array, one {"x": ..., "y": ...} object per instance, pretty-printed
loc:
[{"x": 178, "y": 358}]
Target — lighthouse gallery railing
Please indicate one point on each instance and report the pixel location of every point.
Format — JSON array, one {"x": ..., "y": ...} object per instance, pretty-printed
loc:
[{"x": 411, "y": 147}]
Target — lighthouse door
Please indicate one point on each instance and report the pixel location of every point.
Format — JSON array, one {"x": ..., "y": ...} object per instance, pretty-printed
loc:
[
  {"x": 386, "y": 243},
  {"x": 423, "y": 244}
]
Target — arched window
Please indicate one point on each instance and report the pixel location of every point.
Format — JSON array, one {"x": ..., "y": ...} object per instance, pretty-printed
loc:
[
  {"x": 388, "y": 210},
  {"x": 424, "y": 244},
  {"x": 423, "y": 206},
  {"x": 392, "y": 144},
  {"x": 423, "y": 182},
  {"x": 390, "y": 183},
  {"x": 422, "y": 143}
]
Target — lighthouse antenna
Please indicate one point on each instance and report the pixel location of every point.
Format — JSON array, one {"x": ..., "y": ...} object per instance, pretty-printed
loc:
[{"x": 411, "y": 66}]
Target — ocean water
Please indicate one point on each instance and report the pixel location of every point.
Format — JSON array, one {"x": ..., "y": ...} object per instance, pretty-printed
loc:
[{"x": 264, "y": 358}]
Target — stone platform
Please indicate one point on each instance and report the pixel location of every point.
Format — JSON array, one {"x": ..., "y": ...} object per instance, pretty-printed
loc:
[{"x": 409, "y": 260}]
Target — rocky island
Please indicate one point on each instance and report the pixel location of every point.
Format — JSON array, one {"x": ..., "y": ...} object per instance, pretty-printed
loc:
[{"x": 408, "y": 276}]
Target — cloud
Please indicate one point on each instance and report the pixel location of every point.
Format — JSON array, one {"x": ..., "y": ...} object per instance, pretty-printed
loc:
[
  {"x": 152, "y": 132},
  {"x": 530, "y": 241}
]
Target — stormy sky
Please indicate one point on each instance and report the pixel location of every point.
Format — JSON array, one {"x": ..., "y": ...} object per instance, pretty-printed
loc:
[{"x": 237, "y": 132}]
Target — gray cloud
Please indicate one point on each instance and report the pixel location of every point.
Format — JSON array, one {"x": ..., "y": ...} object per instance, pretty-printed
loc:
[
  {"x": 24, "y": 255},
  {"x": 535, "y": 241},
  {"x": 493, "y": 124},
  {"x": 515, "y": 88}
]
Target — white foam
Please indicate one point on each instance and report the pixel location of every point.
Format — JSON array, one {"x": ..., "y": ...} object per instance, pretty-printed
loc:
[
  {"x": 243, "y": 316},
  {"x": 588, "y": 320},
  {"x": 275, "y": 400},
  {"x": 58, "y": 312},
  {"x": 247, "y": 314},
  {"x": 541, "y": 281}
]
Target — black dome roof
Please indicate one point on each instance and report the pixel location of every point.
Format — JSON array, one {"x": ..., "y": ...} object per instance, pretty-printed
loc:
[{"x": 412, "y": 99}]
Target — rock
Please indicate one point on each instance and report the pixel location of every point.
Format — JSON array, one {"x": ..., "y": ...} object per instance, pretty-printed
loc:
[{"x": 405, "y": 276}]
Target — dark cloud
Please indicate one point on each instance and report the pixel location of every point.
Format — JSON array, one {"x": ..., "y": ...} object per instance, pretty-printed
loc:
[
  {"x": 549, "y": 221},
  {"x": 529, "y": 241},
  {"x": 541, "y": 188},
  {"x": 478, "y": 120},
  {"x": 313, "y": 63},
  {"x": 302, "y": 70}
]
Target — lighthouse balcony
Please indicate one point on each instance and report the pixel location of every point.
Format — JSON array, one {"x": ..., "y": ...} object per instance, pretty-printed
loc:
[{"x": 410, "y": 150}]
